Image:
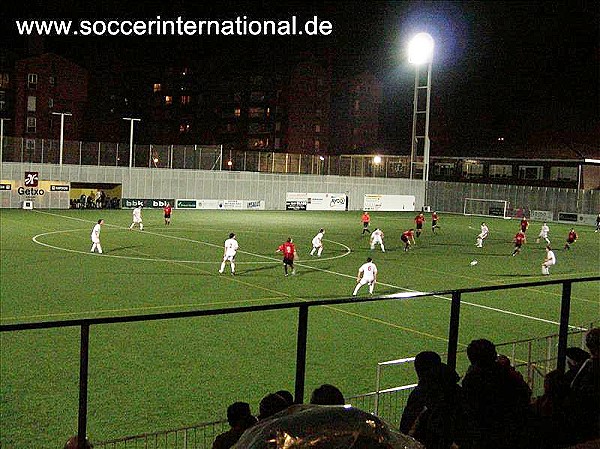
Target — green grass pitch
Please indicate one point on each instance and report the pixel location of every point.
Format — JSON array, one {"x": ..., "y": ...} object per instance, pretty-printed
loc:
[{"x": 145, "y": 377}]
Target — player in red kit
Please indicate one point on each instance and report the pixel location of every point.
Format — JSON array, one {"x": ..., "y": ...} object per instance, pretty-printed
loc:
[
  {"x": 519, "y": 241},
  {"x": 289, "y": 253},
  {"x": 524, "y": 225},
  {"x": 419, "y": 220},
  {"x": 434, "y": 221},
  {"x": 571, "y": 238},
  {"x": 167, "y": 211},
  {"x": 365, "y": 219},
  {"x": 408, "y": 237}
]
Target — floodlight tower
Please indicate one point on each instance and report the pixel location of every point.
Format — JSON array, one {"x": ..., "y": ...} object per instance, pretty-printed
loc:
[{"x": 420, "y": 52}]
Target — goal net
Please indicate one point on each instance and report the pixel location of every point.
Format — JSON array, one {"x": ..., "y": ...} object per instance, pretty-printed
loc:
[{"x": 486, "y": 208}]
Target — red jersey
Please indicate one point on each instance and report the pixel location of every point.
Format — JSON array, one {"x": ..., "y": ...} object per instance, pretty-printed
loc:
[
  {"x": 519, "y": 238},
  {"x": 408, "y": 234},
  {"x": 288, "y": 249},
  {"x": 365, "y": 218},
  {"x": 167, "y": 210},
  {"x": 524, "y": 225},
  {"x": 419, "y": 219},
  {"x": 572, "y": 236}
]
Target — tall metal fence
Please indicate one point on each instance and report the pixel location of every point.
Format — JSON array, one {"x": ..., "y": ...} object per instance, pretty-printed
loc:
[
  {"x": 198, "y": 157},
  {"x": 450, "y": 196}
]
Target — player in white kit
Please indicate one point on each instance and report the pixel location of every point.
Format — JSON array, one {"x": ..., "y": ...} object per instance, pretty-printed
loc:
[
  {"x": 231, "y": 247},
  {"x": 549, "y": 260},
  {"x": 482, "y": 235},
  {"x": 367, "y": 274},
  {"x": 137, "y": 218},
  {"x": 544, "y": 234},
  {"x": 317, "y": 243},
  {"x": 96, "y": 237},
  {"x": 377, "y": 239}
]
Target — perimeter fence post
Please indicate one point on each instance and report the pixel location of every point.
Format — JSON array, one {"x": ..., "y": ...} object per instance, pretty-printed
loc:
[
  {"x": 301, "y": 354},
  {"x": 563, "y": 332},
  {"x": 453, "y": 331},
  {"x": 83, "y": 382}
]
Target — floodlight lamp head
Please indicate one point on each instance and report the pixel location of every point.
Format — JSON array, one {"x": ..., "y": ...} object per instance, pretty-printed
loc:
[{"x": 420, "y": 49}]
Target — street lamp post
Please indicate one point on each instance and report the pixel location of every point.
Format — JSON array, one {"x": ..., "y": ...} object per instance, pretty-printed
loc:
[
  {"x": 131, "y": 120},
  {"x": 62, "y": 134},
  {"x": 420, "y": 52}
]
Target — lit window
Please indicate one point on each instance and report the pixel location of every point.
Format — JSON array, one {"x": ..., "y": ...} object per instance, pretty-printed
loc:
[
  {"x": 32, "y": 80},
  {"x": 237, "y": 112},
  {"x": 563, "y": 173},
  {"x": 356, "y": 105},
  {"x": 317, "y": 144},
  {"x": 256, "y": 112},
  {"x": 4, "y": 80},
  {"x": 156, "y": 87},
  {"x": 168, "y": 99},
  {"x": 268, "y": 112},
  {"x": 500, "y": 171},
  {"x": 2, "y": 100},
  {"x": 31, "y": 124},
  {"x": 184, "y": 128},
  {"x": 277, "y": 126},
  {"x": 30, "y": 144},
  {"x": 277, "y": 143},
  {"x": 317, "y": 128},
  {"x": 31, "y": 104},
  {"x": 185, "y": 99},
  {"x": 531, "y": 172}
]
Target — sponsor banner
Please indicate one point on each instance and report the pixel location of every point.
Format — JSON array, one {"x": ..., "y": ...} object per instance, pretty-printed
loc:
[
  {"x": 185, "y": 204},
  {"x": 541, "y": 215},
  {"x": 315, "y": 201},
  {"x": 376, "y": 202},
  {"x": 567, "y": 216},
  {"x": 220, "y": 204},
  {"x": 59, "y": 188},
  {"x": 587, "y": 219},
  {"x": 152, "y": 203},
  {"x": 5, "y": 186}
]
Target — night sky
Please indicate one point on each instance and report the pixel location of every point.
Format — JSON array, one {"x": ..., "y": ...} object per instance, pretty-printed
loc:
[{"x": 525, "y": 71}]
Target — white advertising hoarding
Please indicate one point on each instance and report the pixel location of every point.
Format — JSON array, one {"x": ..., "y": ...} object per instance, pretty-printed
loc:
[
  {"x": 375, "y": 202},
  {"x": 315, "y": 201},
  {"x": 220, "y": 204}
]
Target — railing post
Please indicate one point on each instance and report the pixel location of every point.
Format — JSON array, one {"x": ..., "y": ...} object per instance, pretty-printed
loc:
[
  {"x": 301, "y": 354},
  {"x": 563, "y": 332},
  {"x": 453, "y": 331},
  {"x": 83, "y": 381}
]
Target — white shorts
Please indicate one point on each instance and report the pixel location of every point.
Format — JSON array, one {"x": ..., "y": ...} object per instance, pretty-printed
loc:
[
  {"x": 377, "y": 240},
  {"x": 95, "y": 240},
  {"x": 364, "y": 281},
  {"x": 548, "y": 264},
  {"x": 229, "y": 257},
  {"x": 137, "y": 220}
]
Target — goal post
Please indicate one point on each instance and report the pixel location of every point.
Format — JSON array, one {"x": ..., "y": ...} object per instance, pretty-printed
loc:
[{"x": 486, "y": 208}]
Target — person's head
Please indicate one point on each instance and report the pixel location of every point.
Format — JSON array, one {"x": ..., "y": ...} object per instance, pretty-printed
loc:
[
  {"x": 239, "y": 415},
  {"x": 101, "y": 221},
  {"x": 231, "y": 235},
  {"x": 427, "y": 361},
  {"x": 72, "y": 443},
  {"x": 481, "y": 352},
  {"x": 576, "y": 357},
  {"x": 322, "y": 231},
  {"x": 555, "y": 384},
  {"x": 369, "y": 259},
  {"x": 411, "y": 230},
  {"x": 270, "y": 405},
  {"x": 327, "y": 394},
  {"x": 483, "y": 223},
  {"x": 289, "y": 240},
  {"x": 289, "y": 397},
  {"x": 592, "y": 341}
]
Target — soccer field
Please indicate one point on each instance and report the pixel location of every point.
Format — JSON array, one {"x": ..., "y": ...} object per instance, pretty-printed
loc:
[{"x": 145, "y": 377}]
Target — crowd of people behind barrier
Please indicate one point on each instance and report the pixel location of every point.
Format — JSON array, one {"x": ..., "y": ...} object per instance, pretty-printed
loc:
[
  {"x": 95, "y": 200},
  {"x": 491, "y": 408}
]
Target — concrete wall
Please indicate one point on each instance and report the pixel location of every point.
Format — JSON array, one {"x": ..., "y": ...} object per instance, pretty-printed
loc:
[{"x": 202, "y": 184}]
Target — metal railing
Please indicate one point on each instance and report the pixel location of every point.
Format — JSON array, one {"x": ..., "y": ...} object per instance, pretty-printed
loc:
[{"x": 302, "y": 332}]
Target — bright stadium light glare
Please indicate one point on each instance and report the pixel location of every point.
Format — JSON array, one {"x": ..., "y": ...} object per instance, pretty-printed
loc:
[
  {"x": 377, "y": 160},
  {"x": 420, "y": 49}
]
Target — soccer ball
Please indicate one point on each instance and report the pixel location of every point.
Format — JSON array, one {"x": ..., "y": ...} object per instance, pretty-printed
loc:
[{"x": 474, "y": 262}]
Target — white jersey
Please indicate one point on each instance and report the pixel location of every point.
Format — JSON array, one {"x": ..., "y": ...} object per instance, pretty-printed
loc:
[
  {"x": 550, "y": 258},
  {"x": 377, "y": 236},
  {"x": 231, "y": 246},
  {"x": 137, "y": 215},
  {"x": 317, "y": 240},
  {"x": 484, "y": 232},
  {"x": 544, "y": 231},
  {"x": 96, "y": 233},
  {"x": 368, "y": 270}
]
